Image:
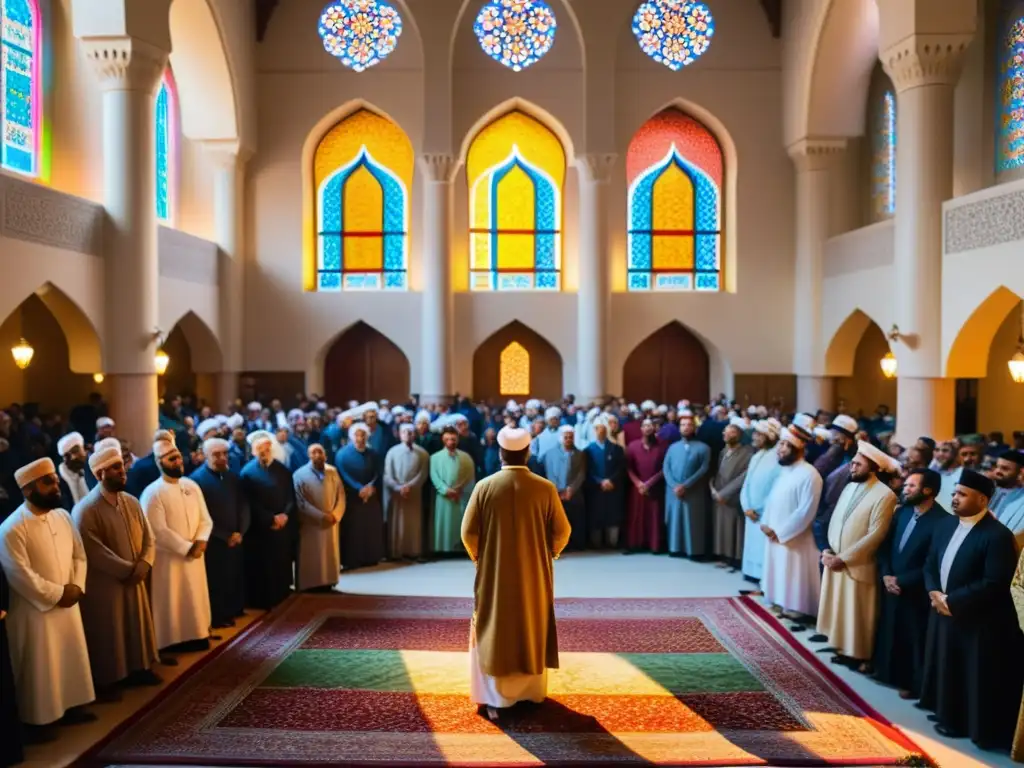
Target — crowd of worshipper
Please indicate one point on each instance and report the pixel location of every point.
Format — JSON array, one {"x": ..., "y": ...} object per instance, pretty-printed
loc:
[{"x": 901, "y": 559}]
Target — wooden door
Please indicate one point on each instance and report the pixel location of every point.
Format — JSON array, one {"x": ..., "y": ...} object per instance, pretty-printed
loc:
[
  {"x": 363, "y": 364},
  {"x": 668, "y": 366}
]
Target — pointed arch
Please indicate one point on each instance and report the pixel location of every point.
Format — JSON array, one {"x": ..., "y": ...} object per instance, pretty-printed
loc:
[
  {"x": 167, "y": 137},
  {"x": 511, "y": 353},
  {"x": 842, "y": 348},
  {"x": 669, "y": 365},
  {"x": 85, "y": 354},
  {"x": 204, "y": 349},
  {"x": 21, "y": 86},
  {"x": 361, "y": 363},
  {"x": 968, "y": 355}
]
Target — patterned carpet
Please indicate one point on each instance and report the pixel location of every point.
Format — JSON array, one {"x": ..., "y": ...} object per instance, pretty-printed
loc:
[{"x": 332, "y": 680}]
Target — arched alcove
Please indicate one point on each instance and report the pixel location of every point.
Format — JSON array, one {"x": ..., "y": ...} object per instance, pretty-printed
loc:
[
  {"x": 969, "y": 353},
  {"x": 195, "y": 359},
  {"x": 669, "y": 365},
  {"x": 364, "y": 364},
  {"x": 506, "y": 347},
  {"x": 1000, "y": 399},
  {"x": 864, "y": 387}
]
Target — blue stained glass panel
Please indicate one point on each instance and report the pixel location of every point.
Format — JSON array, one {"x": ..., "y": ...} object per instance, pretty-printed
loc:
[
  {"x": 163, "y": 152},
  {"x": 516, "y": 33},
  {"x": 329, "y": 281},
  {"x": 707, "y": 281},
  {"x": 673, "y": 32},
  {"x": 883, "y": 157},
  {"x": 1010, "y": 100},
  {"x": 674, "y": 282},
  {"x": 19, "y": 86},
  {"x": 639, "y": 281}
]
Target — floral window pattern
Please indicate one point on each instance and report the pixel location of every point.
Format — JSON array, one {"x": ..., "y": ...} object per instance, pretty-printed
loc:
[
  {"x": 673, "y": 32},
  {"x": 674, "y": 168},
  {"x": 515, "y": 169},
  {"x": 360, "y": 33},
  {"x": 516, "y": 33},
  {"x": 20, "y": 86},
  {"x": 514, "y": 370},
  {"x": 166, "y": 147},
  {"x": 883, "y": 158},
  {"x": 363, "y": 170},
  {"x": 1010, "y": 102}
]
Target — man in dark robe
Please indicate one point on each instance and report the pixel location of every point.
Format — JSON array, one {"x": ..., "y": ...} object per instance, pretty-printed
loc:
[
  {"x": 974, "y": 662},
  {"x": 469, "y": 443},
  {"x": 224, "y": 557},
  {"x": 903, "y": 620},
  {"x": 606, "y": 504},
  {"x": 146, "y": 470},
  {"x": 645, "y": 514},
  {"x": 269, "y": 550},
  {"x": 381, "y": 438},
  {"x": 362, "y": 527},
  {"x": 11, "y": 752}
]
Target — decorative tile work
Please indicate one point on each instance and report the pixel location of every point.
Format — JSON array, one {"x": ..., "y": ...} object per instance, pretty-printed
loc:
[{"x": 985, "y": 223}]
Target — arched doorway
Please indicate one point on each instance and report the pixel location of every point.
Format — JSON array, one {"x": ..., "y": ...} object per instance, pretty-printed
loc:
[
  {"x": 195, "y": 360},
  {"x": 517, "y": 362},
  {"x": 861, "y": 392},
  {"x": 364, "y": 364},
  {"x": 669, "y": 365}
]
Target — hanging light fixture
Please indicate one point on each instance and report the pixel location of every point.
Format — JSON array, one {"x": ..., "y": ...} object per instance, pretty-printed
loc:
[
  {"x": 889, "y": 363},
  {"x": 1016, "y": 363},
  {"x": 98, "y": 378},
  {"x": 23, "y": 353},
  {"x": 161, "y": 359}
]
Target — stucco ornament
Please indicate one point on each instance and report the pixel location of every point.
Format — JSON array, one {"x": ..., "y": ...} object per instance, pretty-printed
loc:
[
  {"x": 673, "y": 32},
  {"x": 516, "y": 33},
  {"x": 360, "y": 33}
]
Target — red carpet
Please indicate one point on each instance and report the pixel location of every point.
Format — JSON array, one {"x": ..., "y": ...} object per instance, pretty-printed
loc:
[{"x": 331, "y": 680}]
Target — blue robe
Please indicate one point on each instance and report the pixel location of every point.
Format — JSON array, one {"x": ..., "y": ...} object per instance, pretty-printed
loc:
[
  {"x": 225, "y": 566},
  {"x": 605, "y": 509},
  {"x": 381, "y": 441},
  {"x": 269, "y": 554},
  {"x": 492, "y": 459},
  {"x": 362, "y": 526},
  {"x": 761, "y": 475},
  {"x": 688, "y": 519},
  {"x": 143, "y": 472},
  {"x": 568, "y": 469},
  {"x": 238, "y": 457}
]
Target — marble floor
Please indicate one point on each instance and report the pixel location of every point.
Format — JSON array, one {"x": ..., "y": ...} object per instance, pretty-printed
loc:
[{"x": 576, "y": 575}]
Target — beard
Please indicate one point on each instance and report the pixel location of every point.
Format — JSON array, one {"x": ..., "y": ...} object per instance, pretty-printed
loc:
[
  {"x": 45, "y": 500},
  {"x": 75, "y": 464},
  {"x": 114, "y": 484},
  {"x": 1006, "y": 482},
  {"x": 915, "y": 499},
  {"x": 788, "y": 459},
  {"x": 175, "y": 472}
]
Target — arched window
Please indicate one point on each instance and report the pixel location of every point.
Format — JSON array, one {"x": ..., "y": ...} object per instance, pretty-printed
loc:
[
  {"x": 363, "y": 171},
  {"x": 883, "y": 156},
  {"x": 166, "y": 122},
  {"x": 515, "y": 170},
  {"x": 1010, "y": 103},
  {"x": 514, "y": 370},
  {"x": 20, "y": 86},
  {"x": 674, "y": 168}
]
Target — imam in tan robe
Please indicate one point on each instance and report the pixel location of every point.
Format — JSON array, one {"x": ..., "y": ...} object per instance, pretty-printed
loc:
[
  {"x": 317, "y": 497},
  {"x": 117, "y": 618},
  {"x": 513, "y": 529},
  {"x": 848, "y": 609}
]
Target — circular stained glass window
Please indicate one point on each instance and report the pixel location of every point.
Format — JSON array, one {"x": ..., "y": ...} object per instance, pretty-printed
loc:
[
  {"x": 360, "y": 33},
  {"x": 516, "y": 33},
  {"x": 674, "y": 32}
]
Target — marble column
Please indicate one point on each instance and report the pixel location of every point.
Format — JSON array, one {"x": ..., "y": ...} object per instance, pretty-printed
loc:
[
  {"x": 924, "y": 70},
  {"x": 437, "y": 347},
  {"x": 594, "y": 294},
  {"x": 815, "y": 160},
  {"x": 129, "y": 70}
]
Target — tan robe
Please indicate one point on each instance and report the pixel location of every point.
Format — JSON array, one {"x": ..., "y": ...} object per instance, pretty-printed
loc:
[
  {"x": 513, "y": 529},
  {"x": 117, "y": 618},
  {"x": 848, "y": 608},
  {"x": 319, "y": 561},
  {"x": 1017, "y": 593}
]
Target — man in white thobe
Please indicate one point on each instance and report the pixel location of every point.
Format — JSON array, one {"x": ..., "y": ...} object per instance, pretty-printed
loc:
[
  {"x": 791, "y": 579},
  {"x": 761, "y": 475},
  {"x": 43, "y": 559},
  {"x": 320, "y": 501},
  {"x": 71, "y": 469},
  {"x": 181, "y": 525},
  {"x": 406, "y": 468}
]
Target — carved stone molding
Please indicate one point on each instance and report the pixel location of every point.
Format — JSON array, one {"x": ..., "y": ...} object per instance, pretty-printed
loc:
[
  {"x": 815, "y": 154},
  {"x": 599, "y": 165},
  {"x": 439, "y": 167},
  {"x": 985, "y": 223},
  {"x": 125, "y": 63},
  {"x": 925, "y": 60},
  {"x": 38, "y": 214}
]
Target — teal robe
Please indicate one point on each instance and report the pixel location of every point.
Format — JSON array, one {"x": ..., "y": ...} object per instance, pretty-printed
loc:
[{"x": 449, "y": 471}]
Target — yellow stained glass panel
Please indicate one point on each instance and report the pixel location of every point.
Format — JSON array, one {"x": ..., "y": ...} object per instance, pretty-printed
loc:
[
  {"x": 364, "y": 212},
  {"x": 385, "y": 140},
  {"x": 481, "y": 211},
  {"x": 536, "y": 142},
  {"x": 514, "y": 370},
  {"x": 516, "y": 212},
  {"x": 673, "y": 210}
]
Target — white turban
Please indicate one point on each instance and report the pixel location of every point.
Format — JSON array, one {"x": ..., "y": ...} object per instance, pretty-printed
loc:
[
  {"x": 104, "y": 421},
  {"x": 792, "y": 438},
  {"x": 767, "y": 429},
  {"x": 682, "y": 404},
  {"x": 295, "y": 414},
  {"x": 552, "y": 413},
  {"x": 32, "y": 472},
  {"x": 685, "y": 413},
  {"x": 69, "y": 441},
  {"x": 214, "y": 442},
  {"x": 206, "y": 426},
  {"x": 163, "y": 448},
  {"x": 406, "y": 427},
  {"x": 235, "y": 420},
  {"x": 514, "y": 439},
  {"x": 397, "y": 410},
  {"x": 662, "y": 409},
  {"x": 367, "y": 407},
  {"x": 422, "y": 416},
  {"x": 108, "y": 442},
  {"x": 566, "y": 428},
  {"x": 648, "y": 405},
  {"x": 221, "y": 419},
  {"x": 845, "y": 424},
  {"x": 254, "y": 406},
  {"x": 511, "y": 405},
  {"x": 885, "y": 462},
  {"x": 257, "y": 437},
  {"x": 738, "y": 422},
  {"x": 357, "y": 427},
  {"x": 103, "y": 459},
  {"x": 822, "y": 433},
  {"x": 533, "y": 403}
]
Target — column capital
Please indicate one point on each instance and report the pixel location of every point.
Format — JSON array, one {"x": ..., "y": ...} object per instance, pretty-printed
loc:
[
  {"x": 920, "y": 60},
  {"x": 815, "y": 154},
  {"x": 599, "y": 165},
  {"x": 125, "y": 63},
  {"x": 439, "y": 167}
]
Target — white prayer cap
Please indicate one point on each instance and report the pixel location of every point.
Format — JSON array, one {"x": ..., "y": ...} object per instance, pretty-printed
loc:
[
  {"x": 254, "y": 406},
  {"x": 69, "y": 441},
  {"x": 221, "y": 419},
  {"x": 511, "y": 405},
  {"x": 566, "y": 428},
  {"x": 845, "y": 424},
  {"x": 762, "y": 412},
  {"x": 32, "y": 472},
  {"x": 103, "y": 459},
  {"x": 685, "y": 413},
  {"x": 321, "y": 406},
  {"x": 458, "y": 418},
  {"x": 662, "y": 409},
  {"x": 422, "y": 416},
  {"x": 209, "y": 425},
  {"x": 406, "y": 427},
  {"x": 214, "y": 443},
  {"x": 632, "y": 408},
  {"x": 737, "y": 421},
  {"x": 822, "y": 434},
  {"x": 792, "y": 438},
  {"x": 441, "y": 422},
  {"x": 367, "y": 407},
  {"x": 553, "y": 413},
  {"x": 163, "y": 448},
  {"x": 235, "y": 420},
  {"x": 295, "y": 414},
  {"x": 358, "y": 427},
  {"x": 385, "y": 402},
  {"x": 602, "y": 420},
  {"x": 805, "y": 421},
  {"x": 113, "y": 442},
  {"x": 767, "y": 428},
  {"x": 682, "y": 404},
  {"x": 885, "y": 462},
  {"x": 398, "y": 410},
  {"x": 752, "y": 410},
  {"x": 257, "y": 437},
  {"x": 104, "y": 421},
  {"x": 514, "y": 439},
  {"x": 648, "y": 405}
]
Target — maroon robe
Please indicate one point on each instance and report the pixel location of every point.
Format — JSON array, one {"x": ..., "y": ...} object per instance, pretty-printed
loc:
[
  {"x": 645, "y": 516},
  {"x": 632, "y": 431}
]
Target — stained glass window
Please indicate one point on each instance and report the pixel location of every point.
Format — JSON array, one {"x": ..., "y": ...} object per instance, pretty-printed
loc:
[
  {"x": 1010, "y": 122},
  {"x": 883, "y": 157},
  {"x": 363, "y": 171},
  {"x": 515, "y": 170},
  {"x": 673, "y": 32},
  {"x": 166, "y": 147},
  {"x": 360, "y": 33},
  {"x": 674, "y": 168},
  {"x": 516, "y": 33},
  {"x": 20, "y": 85},
  {"x": 514, "y": 370}
]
